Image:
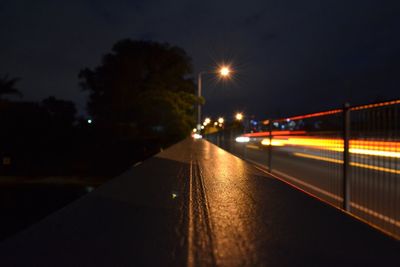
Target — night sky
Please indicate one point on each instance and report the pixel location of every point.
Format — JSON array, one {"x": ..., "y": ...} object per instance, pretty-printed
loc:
[{"x": 290, "y": 56}]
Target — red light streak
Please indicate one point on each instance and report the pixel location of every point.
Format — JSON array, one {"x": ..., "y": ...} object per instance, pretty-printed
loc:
[
  {"x": 274, "y": 133},
  {"x": 394, "y": 102},
  {"x": 318, "y": 114}
]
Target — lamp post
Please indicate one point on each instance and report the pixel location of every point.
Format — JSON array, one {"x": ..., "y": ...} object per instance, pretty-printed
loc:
[
  {"x": 199, "y": 96},
  {"x": 224, "y": 71}
]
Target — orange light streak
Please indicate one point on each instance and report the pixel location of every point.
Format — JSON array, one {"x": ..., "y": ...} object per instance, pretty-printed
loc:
[
  {"x": 275, "y": 142},
  {"x": 334, "y": 111},
  {"x": 360, "y": 147},
  {"x": 329, "y": 112},
  {"x": 394, "y": 102},
  {"x": 355, "y": 164}
]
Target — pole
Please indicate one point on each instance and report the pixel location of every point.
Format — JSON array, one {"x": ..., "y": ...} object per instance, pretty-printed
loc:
[
  {"x": 270, "y": 146},
  {"x": 199, "y": 104},
  {"x": 346, "y": 157}
]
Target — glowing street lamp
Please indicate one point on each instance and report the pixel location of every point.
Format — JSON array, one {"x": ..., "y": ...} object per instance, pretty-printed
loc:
[
  {"x": 224, "y": 72},
  {"x": 220, "y": 120},
  {"x": 239, "y": 116},
  {"x": 207, "y": 120}
]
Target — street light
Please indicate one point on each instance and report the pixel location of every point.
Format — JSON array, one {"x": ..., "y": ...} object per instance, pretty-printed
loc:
[
  {"x": 224, "y": 72},
  {"x": 239, "y": 116},
  {"x": 220, "y": 120}
]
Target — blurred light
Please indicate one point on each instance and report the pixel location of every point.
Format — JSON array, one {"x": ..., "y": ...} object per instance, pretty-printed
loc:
[
  {"x": 89, "y": 189},
  {"x": 89, "y": 121},
  {"x": 215, "y": 123},
  {"x": 239, "y": 116},
  {"x": 207, "y": 120},
  {"x": 194, "y": 130},
  {"x": 376, "y": 105},
  {"x": 224, "y": 71},
  {"x": 266, "y": 142},
  {"x": 202, "y": 127},
  {"x": 329, "y": 112},
  {"x": 274, "y": 133},
  {"x": 197, "y": 136},
  {"x": 220, "y": 120},
  {"x": 242, "y": 139},
  {"x": 360, "y": 147},
  {"x": 355, "y": 164},
  {"x": 220, "y": 125}
]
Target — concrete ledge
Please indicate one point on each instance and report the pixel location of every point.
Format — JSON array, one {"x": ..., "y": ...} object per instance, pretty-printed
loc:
[{"x": 195, "y": 204}]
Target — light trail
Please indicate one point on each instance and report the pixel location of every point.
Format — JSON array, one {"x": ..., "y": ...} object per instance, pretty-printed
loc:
[
  {"x": 266, "y": 142},
  {"x": 355, "y": 164},
  {"x": 338, "y": 161},
  {"x": 388, "y": 103},
  {"x": 273, "y": 133},
  {"x": 359, "y": 147}
]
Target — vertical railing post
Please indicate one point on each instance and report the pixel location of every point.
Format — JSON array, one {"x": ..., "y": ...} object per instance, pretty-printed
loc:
[
  {"x": 346, "y": 157},
  {"x": 270, "y": 146}
]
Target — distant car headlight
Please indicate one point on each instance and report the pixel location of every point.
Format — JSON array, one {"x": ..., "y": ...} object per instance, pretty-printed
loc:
[
  {"x": 242, "y": 139},
  {"x": 197, "y": 136}
]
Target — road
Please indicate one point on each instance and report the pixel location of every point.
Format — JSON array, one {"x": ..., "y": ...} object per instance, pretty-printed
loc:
[
  {"x": 195, "y": 204},
  {"x": 374, "y": 181}
]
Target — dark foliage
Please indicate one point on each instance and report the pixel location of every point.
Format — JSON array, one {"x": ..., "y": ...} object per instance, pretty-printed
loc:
[
  {"x": 36, "y": 138},
  {"x": 142, "y": 89}
]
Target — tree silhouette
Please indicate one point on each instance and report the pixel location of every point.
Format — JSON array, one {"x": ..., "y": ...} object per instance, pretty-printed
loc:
[
  {"x": 7, "y": 86},
  {"x": 142, "y": 88},
  {"x": 62, "y": 112}
]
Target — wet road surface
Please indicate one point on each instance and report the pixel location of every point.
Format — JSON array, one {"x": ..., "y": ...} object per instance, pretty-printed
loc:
[
  {"x": 375, "y": 196},
  {"x": 197, "y": 205}
]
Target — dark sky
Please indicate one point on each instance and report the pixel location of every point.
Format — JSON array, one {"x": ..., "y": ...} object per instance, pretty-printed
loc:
[{"x": 290, "y": 56}]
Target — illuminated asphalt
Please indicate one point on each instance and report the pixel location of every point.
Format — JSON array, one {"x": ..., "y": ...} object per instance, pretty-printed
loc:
[
  {"x": 195, "y": 204},
  {"x": 375, "y": 195}
]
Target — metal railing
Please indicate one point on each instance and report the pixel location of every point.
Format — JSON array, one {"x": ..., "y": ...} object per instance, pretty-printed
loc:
[{"x": 348, "y": 157}]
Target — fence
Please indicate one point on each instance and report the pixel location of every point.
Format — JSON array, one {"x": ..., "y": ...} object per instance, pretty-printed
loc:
[{"x": 348, "y": 157}]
